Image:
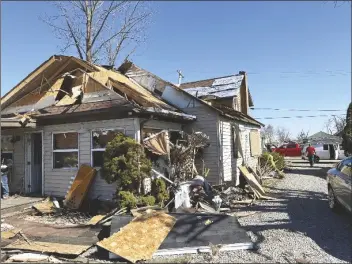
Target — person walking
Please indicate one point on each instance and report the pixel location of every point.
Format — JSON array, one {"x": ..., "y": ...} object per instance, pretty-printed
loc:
[
  {"x": 310, "y": 151},
  {"x": 5, "y": 191}
]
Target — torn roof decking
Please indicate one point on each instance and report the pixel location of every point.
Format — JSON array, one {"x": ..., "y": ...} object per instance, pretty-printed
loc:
[
  {"x": 220, "y": 87},
  {"x": 43, "y": 75},
  {"x": 131, "y": 70},
  {"x": 103, "y": 89}
]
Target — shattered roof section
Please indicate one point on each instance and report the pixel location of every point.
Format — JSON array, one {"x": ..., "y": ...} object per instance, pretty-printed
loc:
[{"x": 219, "y": 87}]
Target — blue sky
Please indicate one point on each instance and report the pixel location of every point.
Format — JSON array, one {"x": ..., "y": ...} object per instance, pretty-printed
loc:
[{"x": 297, "y": 54}]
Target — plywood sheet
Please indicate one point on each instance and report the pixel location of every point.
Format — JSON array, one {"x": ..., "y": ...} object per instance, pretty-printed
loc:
[
  {"x": 140, "y": 238},
  {"x": 48, "y": 247},
  {"x": 80, "y": 187},
  {"x": 252, "y": 181},
  {"x": 9, "y": 234},
  {"x": 95, "y": 219},
  {"x": 45, "y": 207}
]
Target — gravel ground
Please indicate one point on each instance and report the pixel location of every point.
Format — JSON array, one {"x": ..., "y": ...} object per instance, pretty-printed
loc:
[{"x": 298, "y": 227}]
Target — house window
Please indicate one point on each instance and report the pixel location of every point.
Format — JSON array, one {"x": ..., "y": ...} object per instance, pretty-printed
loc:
[
  {"x": 65, "y": 150},
  {"x": 100, "y": 139},
  {"x": 325, "y": 147}
]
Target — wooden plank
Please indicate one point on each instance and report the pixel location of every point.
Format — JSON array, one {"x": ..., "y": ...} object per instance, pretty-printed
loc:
[
  {"x": 95, "y": 219},
  {"x": 48, "y": 247},
  {"x": 80, "y": 187},
  {"x": 45, "y": 207},
  {"x": 9, "y": 234},
  {"x": 141, "y": 238},
  {"x": 252, "y": 181}
]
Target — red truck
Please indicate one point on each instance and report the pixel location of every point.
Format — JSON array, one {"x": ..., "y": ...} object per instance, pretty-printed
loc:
[{"x": 289, "y": 150}]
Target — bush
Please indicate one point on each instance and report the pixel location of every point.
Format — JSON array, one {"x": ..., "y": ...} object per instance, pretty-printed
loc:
[
  {"x": 125, "y": 163},
  {"x": 159, "y": 191},
  {"x": 272, "y": 162},
  {"x": 126, "y": 199},
  {"x": 146, "y": 200}
]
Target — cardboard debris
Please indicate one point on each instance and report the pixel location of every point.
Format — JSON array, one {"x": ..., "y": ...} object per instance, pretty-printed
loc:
[
  {"x": 48, "y": 247},
  {"x": 95, "y": 219},
  {"x": 141, "y": 238},
  {"x": 9, "y": 234},
  {"x": 79, "y": 187},
  {"x": 45, "y": 207}
]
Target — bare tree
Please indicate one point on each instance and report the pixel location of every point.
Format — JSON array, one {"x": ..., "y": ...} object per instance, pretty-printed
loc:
[
  {"x": 302, "y": 135},
  {"x": 268, "y": 133},
  {"x": 100, "y": 31},
  {"x": 335, "y": 124},
  {"x": 282, "y": 134}
]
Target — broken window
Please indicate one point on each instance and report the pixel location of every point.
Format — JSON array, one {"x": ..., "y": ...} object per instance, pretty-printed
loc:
[
  {"x": 65, "y": 150},
  {"x": 100, "y": 139}
]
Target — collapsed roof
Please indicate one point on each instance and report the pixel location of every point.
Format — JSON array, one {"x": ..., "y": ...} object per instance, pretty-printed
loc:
[{"x": 64, "y": 84}]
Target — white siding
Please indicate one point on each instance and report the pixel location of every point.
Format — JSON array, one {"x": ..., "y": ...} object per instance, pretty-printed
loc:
[
  {"x": 162, "y": 125},
  {"x": 207, "y": 122},
  {"x": 226, "y": 150},
  {"x": 57, "y": 181}
]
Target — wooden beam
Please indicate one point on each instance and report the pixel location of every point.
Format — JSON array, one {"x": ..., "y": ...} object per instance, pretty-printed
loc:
[{"x": 26, "y": 80}]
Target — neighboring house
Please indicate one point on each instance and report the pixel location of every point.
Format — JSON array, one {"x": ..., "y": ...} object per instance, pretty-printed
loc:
[
  {"x": 221, "y": 106},
  {"x": 322, "y": 137},
  {"x": 63, "y": 114}
]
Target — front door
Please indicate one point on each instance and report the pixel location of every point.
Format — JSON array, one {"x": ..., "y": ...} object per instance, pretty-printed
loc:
[{"x": 34, "y": 161}]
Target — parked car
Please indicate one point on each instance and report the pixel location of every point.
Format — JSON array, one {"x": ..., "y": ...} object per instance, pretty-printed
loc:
[
  {"x": 322, "y": 151},
  {"x": 289, "y": 150},
  {"x": 339, "y": 185}
]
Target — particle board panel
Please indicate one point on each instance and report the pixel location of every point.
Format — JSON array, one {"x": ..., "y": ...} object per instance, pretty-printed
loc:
[
  {"x": 196, "y": 232},
  {"x": 80, "y": 187},
  {"x": 48, "y": 247},
  {"x": 141, "y": 238},
  {"x": 252, "y": 181}
]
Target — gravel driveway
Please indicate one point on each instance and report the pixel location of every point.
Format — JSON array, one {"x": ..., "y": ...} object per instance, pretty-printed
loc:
[{"x": 298, "y": 227}]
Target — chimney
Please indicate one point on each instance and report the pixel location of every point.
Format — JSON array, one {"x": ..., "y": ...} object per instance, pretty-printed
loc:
[{"x": 244, "y": 94}]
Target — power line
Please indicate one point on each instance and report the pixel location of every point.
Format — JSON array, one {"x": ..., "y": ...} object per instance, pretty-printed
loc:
[
  {"x": 289, "y": 117},
  {"x": 300, "y": 110}
]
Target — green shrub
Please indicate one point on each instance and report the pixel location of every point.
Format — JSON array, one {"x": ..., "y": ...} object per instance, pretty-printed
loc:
[
  {"x": 159, "y": 191},
  {"x": 146, "y": 200},
  {"x": 126, "y": 199},
  {"x": 274, "y": 161},
  {"x": 125, "y": 163}
]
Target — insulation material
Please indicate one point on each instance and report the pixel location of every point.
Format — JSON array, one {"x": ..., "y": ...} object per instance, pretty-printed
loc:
[
  {"x": 254, "y": 138},
  {"x": 141, "y": 238},
  {"x": 65, "y": 249},
  {"x": 80, "y": 187},
  {"x": 158, "y": 143},
  {"x": 182, "y": 196}
]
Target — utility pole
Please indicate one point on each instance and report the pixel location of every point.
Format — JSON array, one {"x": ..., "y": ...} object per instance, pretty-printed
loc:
[{"x": 180, "y": 77}]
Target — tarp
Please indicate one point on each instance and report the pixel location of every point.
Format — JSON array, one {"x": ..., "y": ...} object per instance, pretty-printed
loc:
[{"x": 158, "y": 143}]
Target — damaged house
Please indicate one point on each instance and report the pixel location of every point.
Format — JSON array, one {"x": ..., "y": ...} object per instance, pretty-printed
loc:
[
  {"x": 63, "y": 114},
  {"x": 221, "y": 106}
]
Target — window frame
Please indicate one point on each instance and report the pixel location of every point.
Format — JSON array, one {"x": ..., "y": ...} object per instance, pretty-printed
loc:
[
  {"x": 123, "y": 130},
  {"x": 326, "y": 145},
  {"x": 64, "y": 150}
]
